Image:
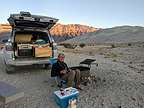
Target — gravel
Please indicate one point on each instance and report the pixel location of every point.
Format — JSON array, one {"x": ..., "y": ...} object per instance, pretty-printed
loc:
[{"x": 116, "y": 85}]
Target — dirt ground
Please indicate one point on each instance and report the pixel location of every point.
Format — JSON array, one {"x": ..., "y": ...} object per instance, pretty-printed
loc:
[
  {"x": 119, "y": 79},
  {"x": 118, "y": 83}
]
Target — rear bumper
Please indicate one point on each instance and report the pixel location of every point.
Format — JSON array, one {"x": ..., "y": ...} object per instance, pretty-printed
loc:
[{"x": 27, "y": 62}]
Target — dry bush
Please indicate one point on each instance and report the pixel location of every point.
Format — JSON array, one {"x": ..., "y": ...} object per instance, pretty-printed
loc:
[
  {"x": 82, "y": 45},
  {"x": 70, "y": 46},
  {"x": 129, "y": 44},
  {"x": 91, "y": 53},
  {"x": 111, "y": 55},
  {"x": 113, "y": 46},
  {"x": 114, "y": 60},
  {"x": 101, "y": 53}
]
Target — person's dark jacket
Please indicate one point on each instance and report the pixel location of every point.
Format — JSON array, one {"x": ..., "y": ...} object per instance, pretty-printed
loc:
[{"x": 57, "y": 67}]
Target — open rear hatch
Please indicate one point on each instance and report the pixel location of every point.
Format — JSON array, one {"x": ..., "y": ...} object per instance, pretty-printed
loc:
[
  {"x": 26, "y": 20},
  {"x": 30, "y": 42}
]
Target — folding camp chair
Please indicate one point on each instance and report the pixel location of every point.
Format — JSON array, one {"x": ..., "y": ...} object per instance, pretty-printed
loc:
[{"x": 58, "y": 80}]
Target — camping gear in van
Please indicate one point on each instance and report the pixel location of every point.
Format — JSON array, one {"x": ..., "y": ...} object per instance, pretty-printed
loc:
[
  {"x": 23, "y": 38},
  {"x": 43, "y": 51},
  {"x": 25, "y": 50}
]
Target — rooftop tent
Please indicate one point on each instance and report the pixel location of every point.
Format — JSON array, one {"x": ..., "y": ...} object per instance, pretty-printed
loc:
[{"x": 25, "y": 19}]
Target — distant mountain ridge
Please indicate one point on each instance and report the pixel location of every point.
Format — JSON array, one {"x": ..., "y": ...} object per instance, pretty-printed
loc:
[
  {"x": 71, "y": 29},
  {"x": 5, "y": 28},
  {"x": 119, "y": 34},
  {"x": 60, "y": 32},
  {"x": 60, "y": 29}
]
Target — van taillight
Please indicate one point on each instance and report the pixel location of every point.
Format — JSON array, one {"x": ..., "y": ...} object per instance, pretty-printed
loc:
[
  {"x": 54, "y": 46},
  {"x": 9, "y": 48}
]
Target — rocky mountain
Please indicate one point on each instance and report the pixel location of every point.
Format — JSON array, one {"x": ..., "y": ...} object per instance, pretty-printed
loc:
[
  {"x": 5, "y": 28},
  {"x": 65, "y": 32},
  {"x": 120, "y": 34},
  {"x": 71, "y": 30},
  {"x": 59, "y": 31}
]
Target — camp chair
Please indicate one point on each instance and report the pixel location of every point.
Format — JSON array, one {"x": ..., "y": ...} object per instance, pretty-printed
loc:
[{"x": 60, "y": 82}]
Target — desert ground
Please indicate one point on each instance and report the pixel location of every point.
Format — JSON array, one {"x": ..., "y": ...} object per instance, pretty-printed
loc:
[{"x": 118, "y": 83}]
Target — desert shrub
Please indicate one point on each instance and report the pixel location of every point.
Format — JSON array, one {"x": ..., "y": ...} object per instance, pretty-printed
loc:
[
  {"x": 114, "y": 60},
  {"x": 129, "y": 44},
  {"x": 101, "y": 53},
  {"x": 113, "y": 46},
  {"x": 68, "y": 45},
  {"x": 82, "y": 45},
  {"x": 130, "y": 62},
  {"x": 111, "y": 55},
  {"x": 90, "y": 53}
]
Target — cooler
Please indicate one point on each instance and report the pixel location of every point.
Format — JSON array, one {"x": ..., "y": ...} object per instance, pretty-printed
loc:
[{"x": 63, "y": 99}]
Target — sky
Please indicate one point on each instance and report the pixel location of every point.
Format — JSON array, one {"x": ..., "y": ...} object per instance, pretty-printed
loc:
[{"x": 96, "y": 13}]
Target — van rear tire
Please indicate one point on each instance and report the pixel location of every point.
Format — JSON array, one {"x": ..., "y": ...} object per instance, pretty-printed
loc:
[
  {"x": 46, "y": 66},
  {"x": 9, "y": 69}
]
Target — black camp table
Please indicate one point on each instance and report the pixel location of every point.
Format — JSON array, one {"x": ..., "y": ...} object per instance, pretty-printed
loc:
[
  {"x": 85, "y": 70},
  {"x": 88, "y": 62}
]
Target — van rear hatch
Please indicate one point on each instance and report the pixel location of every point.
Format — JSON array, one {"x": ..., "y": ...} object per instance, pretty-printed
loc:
[{"x": 26, "y": 20}]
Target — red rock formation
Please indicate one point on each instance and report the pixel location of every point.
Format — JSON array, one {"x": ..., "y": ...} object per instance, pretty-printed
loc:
[
  {"x": 71, "y": 30},
  {"x": 60, "y": 29},
  {"x": 4, "y": 28}
]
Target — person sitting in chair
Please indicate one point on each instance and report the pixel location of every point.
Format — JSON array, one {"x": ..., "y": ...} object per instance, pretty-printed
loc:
[{"x": 61, "y": 70}]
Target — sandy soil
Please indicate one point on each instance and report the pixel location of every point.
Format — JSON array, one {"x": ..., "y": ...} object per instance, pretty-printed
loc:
[{"x": 119, "y": 81}]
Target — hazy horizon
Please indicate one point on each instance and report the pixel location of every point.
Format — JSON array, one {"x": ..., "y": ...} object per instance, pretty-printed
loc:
[{"x": 96, "y": 13}]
